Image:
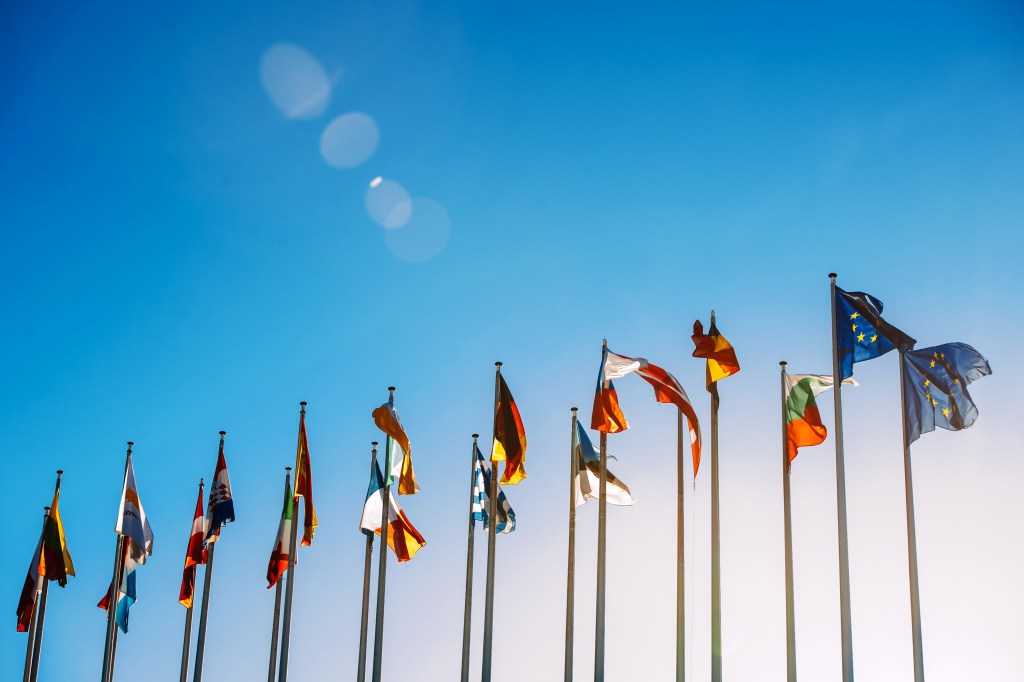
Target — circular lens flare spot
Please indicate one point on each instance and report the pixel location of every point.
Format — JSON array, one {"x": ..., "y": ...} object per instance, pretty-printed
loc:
[
  {"x": 388, "y": 203},
  {"x": 349, "y": 140},
  {"x": 294, "y": 81}
]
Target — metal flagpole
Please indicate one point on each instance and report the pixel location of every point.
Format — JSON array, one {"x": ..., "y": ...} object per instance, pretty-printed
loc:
[
  {"x": 286, "y": 628},
  {"x": 570, "y": 573},
  {"x": 30, "y": 651},
  {"x": 382, "y": 562},
  {"x": 197, "y": 674},
  {"x": 788, "y": 532},
  {"x": 275, "y": 629},
  {"x": 716, "y": 545},
  {"x": 468, "y": 612},
  {"x": 915, "y": 595},
  {"x": 110, "y": 645},
  {"x": 846, "y": 627},
  {"x": 41, "y": 597},
  {"x": 680, "y": 558},
  {"x": 602, "y": 509},
  {"x": 361, "y": 669},
  {"x": 492, "y": 521},
  {"x": 188, "y": 616}
]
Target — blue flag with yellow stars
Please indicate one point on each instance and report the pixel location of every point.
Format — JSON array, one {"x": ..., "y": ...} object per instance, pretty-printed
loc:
[
  {"x": 861, "y": 333},
  {"x": 936, "y": 388}
]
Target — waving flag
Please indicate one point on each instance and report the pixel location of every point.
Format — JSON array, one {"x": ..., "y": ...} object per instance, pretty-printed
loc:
[
  {"x": 861, "y": 333},
  {"x": 803, "y": 422},
  {"x": 588, "y": 480},
  {"x": 194, "y": 555},
  {"x": 126, "y": 594},
  {"x": 509, "y": 436},
  {"x": 131, "y": 520},
  {"x": 719, "y": 353},
  {"x": 279, "y": 556},
  {"x": 386, "y": 419},
  {"x": 606, "y": 415},
  {"x": 936, "y": 388},
  {"x": 29, "y": 591},
  {"x": 221, "y": 508},
  {"x": 506, "y": 521},
  {"x": 304, "y": 482},
  {"x": 403, "y": 538},
  {"x": 55, "y": 562}
]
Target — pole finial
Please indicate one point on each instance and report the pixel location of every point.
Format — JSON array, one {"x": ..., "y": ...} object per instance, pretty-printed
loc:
[
  {"x": 782, "y": 363},
  {"x": 475, "y": 436},
  {"x": 287, "y": 468},
  {"x": 222, "y": 434},
  {"x": 303, "y": 403},
  {"x": 373, "y": 443},
  {"x": 498, "y": 363},
  {"x": 573, "y": 409},
  {"x": 60, "y": 472},
  {"x": 832, "y": 275}
]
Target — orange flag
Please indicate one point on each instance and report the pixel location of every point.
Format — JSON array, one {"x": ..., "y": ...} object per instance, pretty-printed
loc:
[{"x": 304, "y": 482}]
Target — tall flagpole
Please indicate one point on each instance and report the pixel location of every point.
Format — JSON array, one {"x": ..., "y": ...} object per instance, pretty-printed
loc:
[
  {"x": 680, "y": 558},
  {"x": 602, "y": 510},
  {"x": 41, "y": 599},
  {"x": 468, "y": 612},
  {"x": 716, "y": 544},
  {"x": 915, "y": 595},
  {"x": 275, "y": 629},
  {"x": 382, "y": 562},
  {"x": 197, "y": 674},
  {"x": 492, "y": 521},
  {"x": 30, "y": 651},
  {"x": 788, "y": 532},
  {"x": 115, "y": 587},
  {"x": 188, "y": 616},
  {"x": 365, "y": 616},
  {"x": 286, "y": 628},
  {"x": 846, "y": 627},
  {"x": 570, "y": 573}
]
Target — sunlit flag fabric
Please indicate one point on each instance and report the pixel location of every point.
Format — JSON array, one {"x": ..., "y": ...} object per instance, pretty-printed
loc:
[
  {"x": 386, "y": 419},
  {"x": 126, "y": 595},
  {"x": 509, "y": 436},
  {"x": 304, "y": 483},
  {"x": 719, "y": 353},
  {"x": 131, "y": 520},
  {"x": 279, "y": 556},
  {"x": 221, "y": 508},
  {"x": 861, "y": 333},
  {"x": 55, "y": 562},
  {"x": 588, "y": 480},
  {"x": 606, "y": 415},
  {"x": 506, "y": 521},
  {"x": 194, "y": 556},
  {"x": 33, "y": 583},
  {"x": 803, "y": 421},
  {"x": 936, "y": 388},
  {"x": 403, "y": 538}
]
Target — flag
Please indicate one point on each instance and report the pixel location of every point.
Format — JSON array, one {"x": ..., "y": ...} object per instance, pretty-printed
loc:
[
  {"x": 403, "y": 539},
  {"x": 126, "y": 595},
  {"x": 509, "y": 436},
  {"x": 936, "y": 388},
  {"x": 304, "y": 483},
  {"x": 279, "y": 557},
  {"x": 194, "y": 555},
  {"x": 506, "y": 521},
  {"x": 606, "y": 415},
  {"x": 132, "y": 522},
  {"x": 861, "y": 333},
  {"x": 803, "y": 422},
  {"x": 386, "y": 419},
  {"x": 55, "y": 561},
  {"x": 29, "y": 591},
  {"x": 588, "y": 478},
  {"x": 221, "y": 508},
  {"x": 718, "y": 352}
]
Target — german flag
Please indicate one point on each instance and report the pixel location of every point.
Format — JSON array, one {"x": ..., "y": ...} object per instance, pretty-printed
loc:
[
  {"x": 509, "y": 436},
  {"x": 55, "y": 562},
  {"x": 717, "y": 351}
]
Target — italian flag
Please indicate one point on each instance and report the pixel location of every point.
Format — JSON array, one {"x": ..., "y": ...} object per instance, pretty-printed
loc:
[
  {"x": 279, "y": 557},
  {"x": 803, "y": 422}
]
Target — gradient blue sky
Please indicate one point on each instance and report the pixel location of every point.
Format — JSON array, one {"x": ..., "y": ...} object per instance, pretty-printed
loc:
[{"x": 179, "y": 258}]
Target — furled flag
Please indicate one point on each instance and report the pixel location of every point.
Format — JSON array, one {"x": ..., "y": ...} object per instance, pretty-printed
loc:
[
  {"x": 506, "y": 521},
  {"x": 304, "y": 482},
  {"x": 386, "y": 419},
  {"x": 718, "y": 352},
  {"x": 55, "y": 561},
  {"x": 803, "y": 422},
  {"x": 588, "y": 480},
  {"x": 279, "y": 557},
  {"x": 221, "y": 508},
  {"x": 131, "y": 520},
  {"x": 607, "y": 416},
  {"x": 29, "y": 591},
  {"x": 861, "y": 333},
  {"x": 126, "y": 595},
  {"x": 194, "y": 555},
  {"x": 403, "y": 539},
  {"x": 936, "y": 388},
  {"x": 509, "y": 436}
]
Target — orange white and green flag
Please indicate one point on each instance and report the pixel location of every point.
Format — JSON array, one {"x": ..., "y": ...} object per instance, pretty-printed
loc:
[
  {"x": 282, "y": 546},
  {"x": 803, "y": 421}
]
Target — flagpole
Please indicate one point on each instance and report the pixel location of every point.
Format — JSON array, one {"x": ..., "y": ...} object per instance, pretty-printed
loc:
[
  {"x": 286, "y": 629},
  {"x": 602, "y": 509},
  {"x": 110, "y": 647},
  {"x": 382, "y": 561},
  {"x": 274, "y": 631},
  {"x": 570, "y": 573},
  {"x": 492, "y": 521},
  {"x": 846, "y": 627},
  {"x": 468, "y": 612},
  {"x": 361, "y": 670},
  {"x": 915, "y": 595},
  {"x": 788, "y": 533},
  {"x": 30, "y": 650},
  {"x": 41, "y": 598},
  {"x": 716, "y": 545},
  {"x": 680, "y": 558},
  {"x": 188, "y": 616},
  {"x": 197, "y": 673}
]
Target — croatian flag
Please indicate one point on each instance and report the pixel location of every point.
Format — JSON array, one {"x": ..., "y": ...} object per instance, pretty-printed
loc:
[{"x": 221, "y": 508}]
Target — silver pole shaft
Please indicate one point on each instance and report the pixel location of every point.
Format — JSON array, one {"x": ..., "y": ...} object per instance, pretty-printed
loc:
[
  {"x": 382, "y": 562},
  {"x": 40, "y": 611},
  {"x": 30, "y": 646},
  {"x": 286, "y": 628},
  {"x": 197, "y": 673},
  {"x": 485, "y": 659},
  {"x": 788, "y": 532},
  {"x": 570, "y": 574},
  {"x": 602, "y": 524},
  {"x": 915, "y": 594},
  {"x": 185, "y": 645},
  {"x": 467, "y": 613},
  {"x": 367, "y": 566},
  {"x": 110, "y": 646},
  {"x": 680, "y": 558},
  {"x": 716, "y": 551}
]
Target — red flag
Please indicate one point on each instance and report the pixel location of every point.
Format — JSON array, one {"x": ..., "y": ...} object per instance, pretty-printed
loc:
[
  {"x": 304, "y": 482},
  {"x": 194, "y": 555}
]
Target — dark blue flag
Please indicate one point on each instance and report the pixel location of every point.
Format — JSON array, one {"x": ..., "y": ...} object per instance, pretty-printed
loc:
[
  {"x": 936, "y": 388},
  {"x": 861, "y": 333}
]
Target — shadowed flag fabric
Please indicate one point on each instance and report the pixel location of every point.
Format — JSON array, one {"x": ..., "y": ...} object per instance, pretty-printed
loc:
[
  {"x": 221, "y": 508},
  {"x": 719, "y": 353},
  {"x": 131, "y": 520},
  {"x": 861, "y": 333},
  {"x": 506, "y": 521},
  {"x": 386, "y": 419},
  {"x": 126, "y": 595},
  {"x": 509, "y": 436},
  {"x": 279, "y": 556},
  {"x": 33, "y": 583},
  {"x": 55, "y": 562},
  {"x": 606, "y": 415},
  {"x": 803, "y": 421},
  {"x": 403, "y": 538},
  {"x": 194, "y": 556},
  {"x": 304, "y": 484},
  {"x": 936, "y": 388},
  {"x": 588, "y": 480}
]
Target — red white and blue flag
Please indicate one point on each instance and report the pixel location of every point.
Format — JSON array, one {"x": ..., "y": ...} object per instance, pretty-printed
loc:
[{"x": 221, "y": 508}]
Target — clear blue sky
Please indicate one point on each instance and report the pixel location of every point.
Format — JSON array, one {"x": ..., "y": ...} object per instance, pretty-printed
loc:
[{"x": 179, "y": 257}]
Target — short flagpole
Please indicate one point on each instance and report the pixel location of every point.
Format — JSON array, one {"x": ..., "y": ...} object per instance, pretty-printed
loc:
[
  {"x": 110, "y": 646},
  {"x": 492, "y": 521},
  {"x": 275, "y": 628},
  {"x": 716, "y": 544},
  {"x": 382, "y": 560},
  {"x": 846, "y": 627},
  {"x": 570, "y": 573},
  {"x": 467, "y": 615},
  {"x": 31, "y": 654},
  {"x": 680, "y": 557},
  {"x": 788, "y": 533},
  {"x": 197, "y": 674},
  {"x": 602, "y": 510},
  {"x": 367, "y": 564},
  {"x": 188, "y": 616},
  {"x": 286, "y": 627},
  {"x": 915, "y": 595}
]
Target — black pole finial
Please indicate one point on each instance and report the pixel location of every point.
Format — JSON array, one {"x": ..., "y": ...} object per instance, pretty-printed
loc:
[
  {"x": 573, "y": 409},
  {"x": 832, "y": 275},
  {"x": 782, "y": 363},
  {"x": 475, "y": 436}
]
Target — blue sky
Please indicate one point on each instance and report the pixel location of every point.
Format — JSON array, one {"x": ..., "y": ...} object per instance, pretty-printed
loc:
[{"x": 179, "y": 258}]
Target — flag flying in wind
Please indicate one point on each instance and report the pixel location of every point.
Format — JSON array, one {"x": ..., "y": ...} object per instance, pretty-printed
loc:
[
  {"x": 33, "y": 583},
  {"x": 386, "y": 419},
  {"x": 509, "y": 436},
  {"x": 606, "y": 415},
  {"x": 803, "y": 422},
  {"x": 506, "y": 521},
  {"x": 126, "y": 595},
  {"x": 304, "y": 483},
  {"x": 936, "y": 388},
  {"x": 719, "y": 353},
  {"x": 403, "y": 538},
  {"x": 279, "y": 557},
  {"x": 861, "y": 333},
  {"x": 221, "y": 508},
  {"x": 131, "y": 520},
  {"x": 55, "y": 561},
  {"x": 194, "y": 555},
  {"x": 588, "y": 480}
]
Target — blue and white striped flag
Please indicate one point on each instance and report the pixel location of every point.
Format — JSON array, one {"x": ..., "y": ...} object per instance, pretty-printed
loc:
[{"x": 506, "y": 522}]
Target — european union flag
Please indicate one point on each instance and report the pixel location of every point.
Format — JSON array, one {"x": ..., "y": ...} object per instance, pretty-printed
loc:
[
  {"x": 861, "y": 333},
  {"x": 936, "y": 388}
]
